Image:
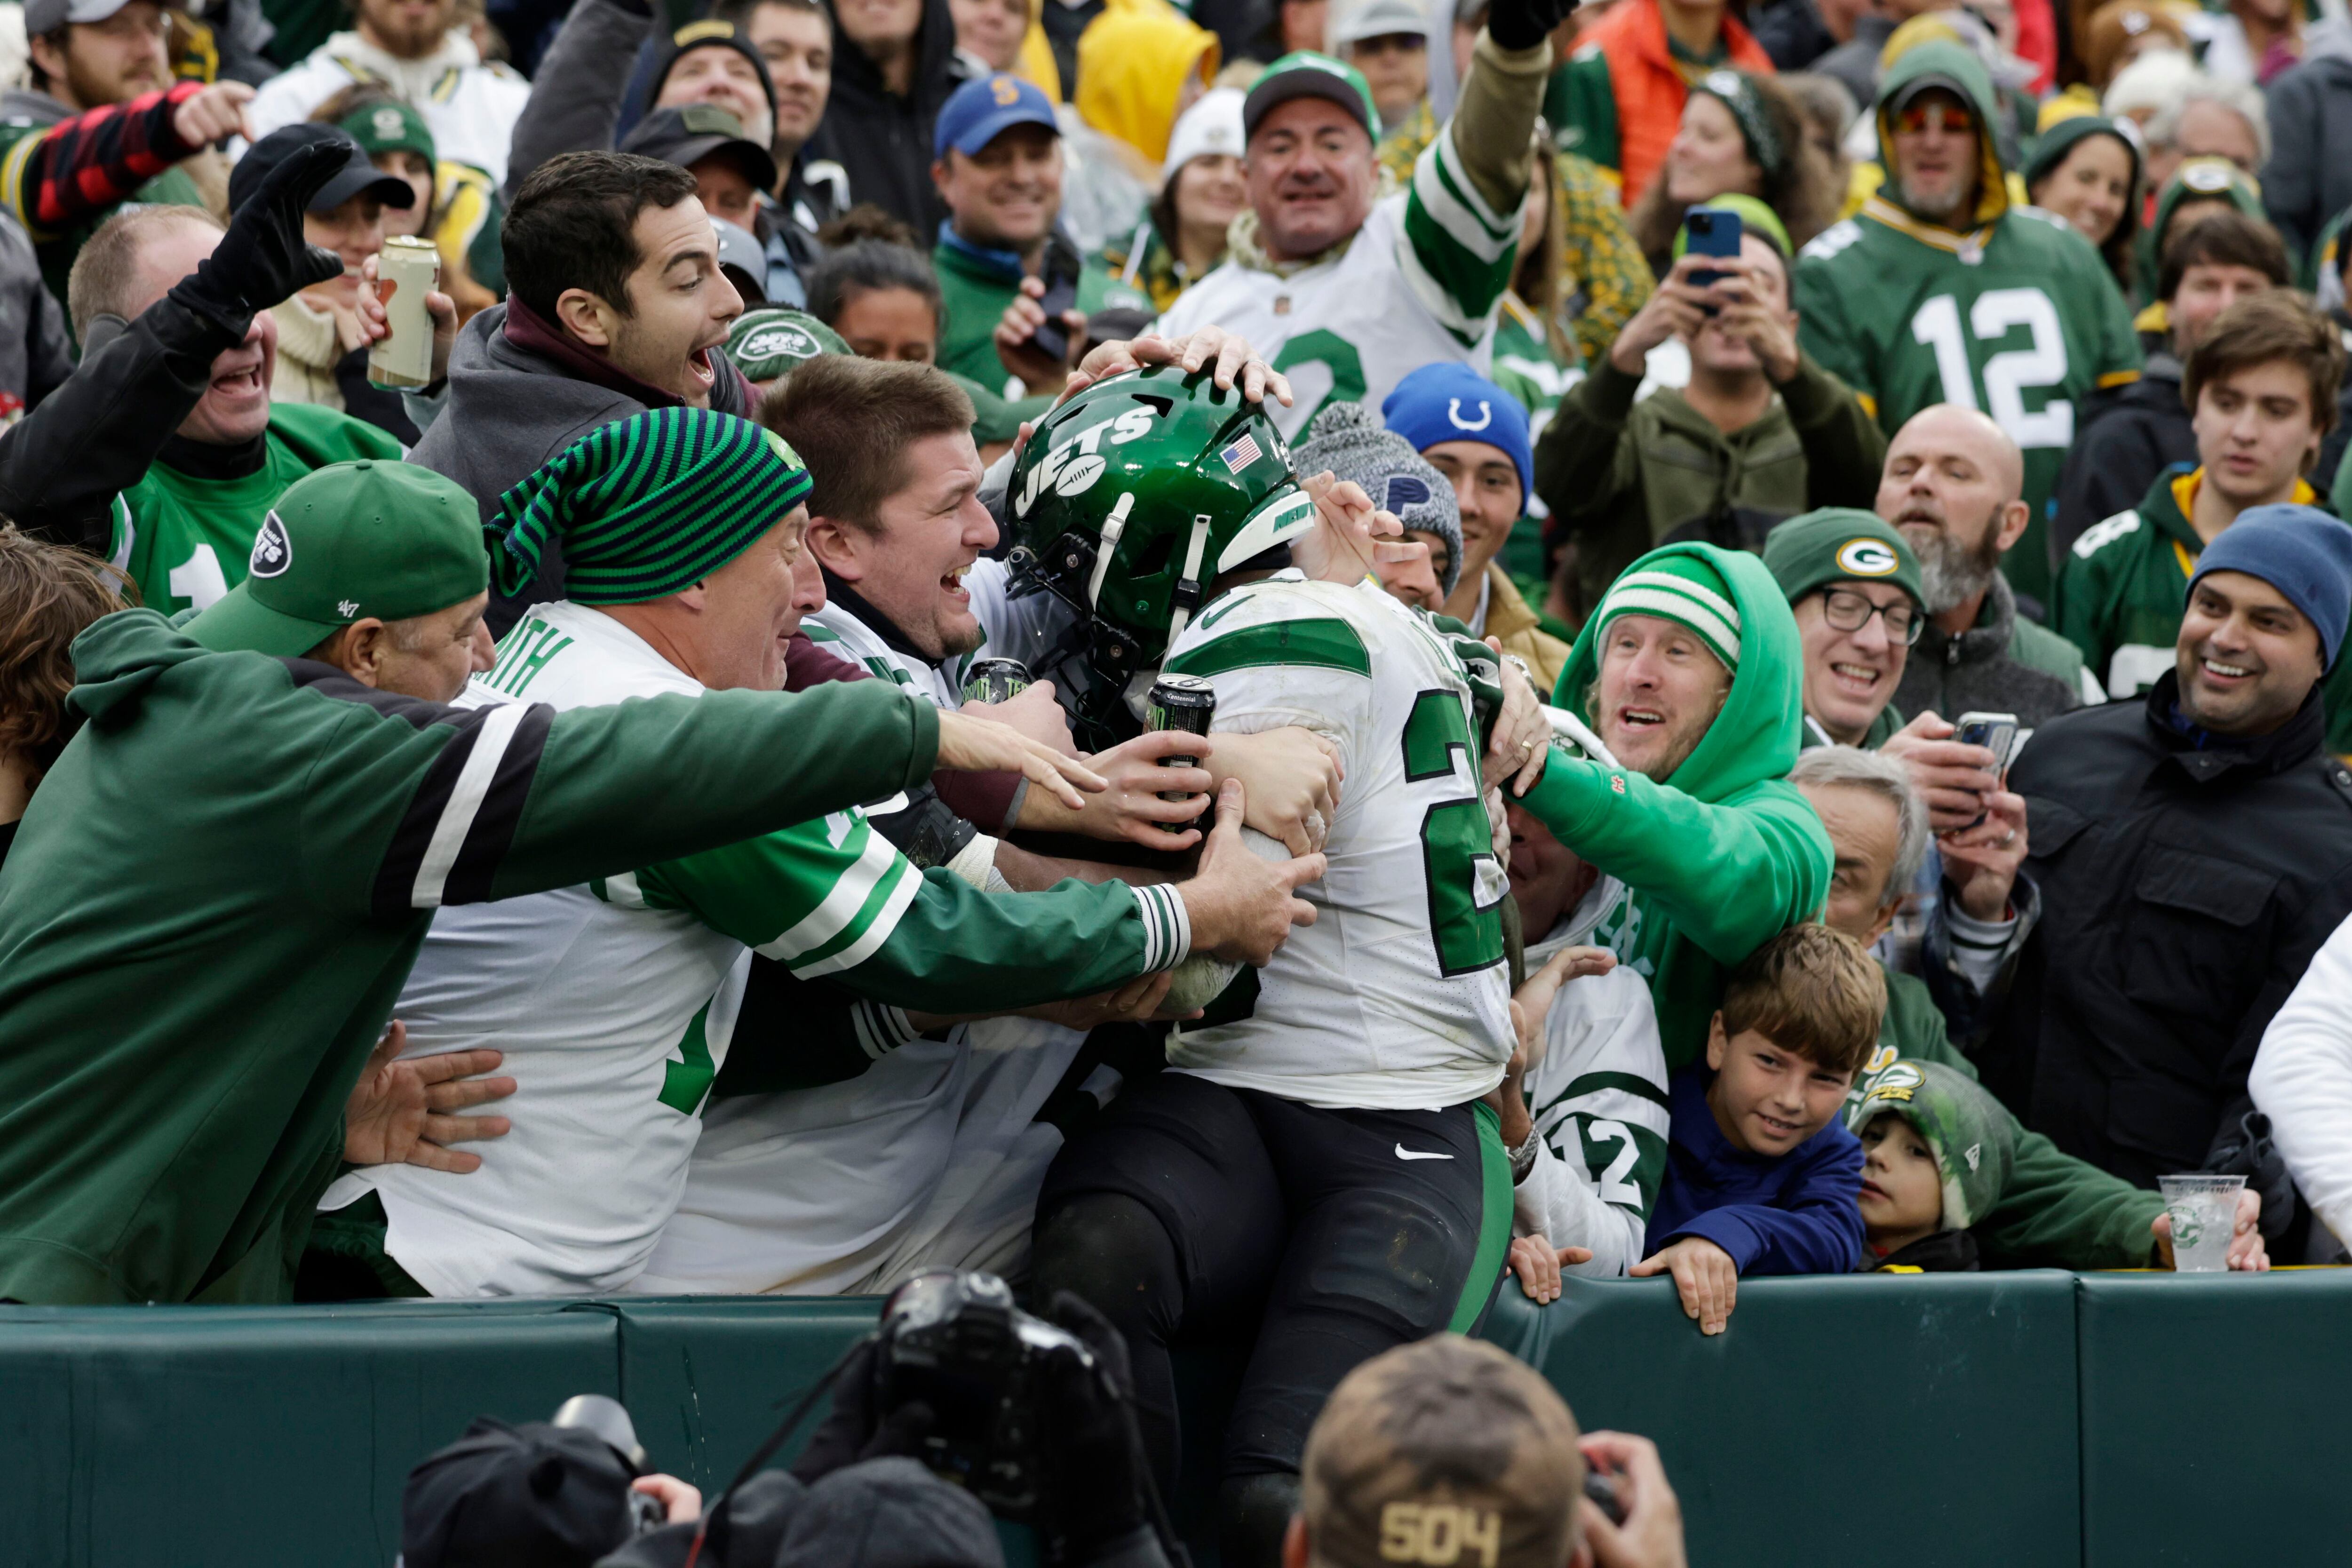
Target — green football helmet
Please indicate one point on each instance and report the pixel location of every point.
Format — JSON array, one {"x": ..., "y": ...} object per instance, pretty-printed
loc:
[{"x": 1125, "y": 504}]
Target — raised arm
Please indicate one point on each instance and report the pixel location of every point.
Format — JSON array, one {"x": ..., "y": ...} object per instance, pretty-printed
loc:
[
  {"x": 80, "y": 166},
  {"x": 1462, "y": 217},
  {"x": 576, "y": 97}
]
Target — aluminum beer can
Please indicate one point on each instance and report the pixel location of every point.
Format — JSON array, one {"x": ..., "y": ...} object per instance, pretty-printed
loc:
[
  {"x": 405, "y": 358},
  {"x": 996, "y": 681},
  {"x": 1188, "y": 703}
]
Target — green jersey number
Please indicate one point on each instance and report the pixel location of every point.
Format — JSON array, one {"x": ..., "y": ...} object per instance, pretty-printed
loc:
[
  {"x": 1455, "y": 837},
  {"x": 1334, "y": 354},
  {"x": 687, "y": 1079},
  {"x": 2007, "y": 376}
]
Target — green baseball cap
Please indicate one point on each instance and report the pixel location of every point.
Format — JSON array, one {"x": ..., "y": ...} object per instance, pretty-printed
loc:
[
  {"x": 1840, "y": 544},
  {"x": 390, "y": 126},
  {"x": 1303, "y": 73},
  {"x": 391, "y": 540},
  {"x": 766, "y": 345}
]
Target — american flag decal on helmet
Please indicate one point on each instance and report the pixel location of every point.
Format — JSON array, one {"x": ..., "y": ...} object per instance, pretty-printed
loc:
[{"x": 1240, "y": 455}]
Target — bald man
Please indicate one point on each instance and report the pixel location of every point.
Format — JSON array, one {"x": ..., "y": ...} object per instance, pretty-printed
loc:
[{"x": 1953, "y": 483}]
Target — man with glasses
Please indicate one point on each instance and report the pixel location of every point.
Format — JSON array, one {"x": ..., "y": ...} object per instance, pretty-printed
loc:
[
  {"x": 1940, "y": 291},
  {"x": 1854, "y": 587}
]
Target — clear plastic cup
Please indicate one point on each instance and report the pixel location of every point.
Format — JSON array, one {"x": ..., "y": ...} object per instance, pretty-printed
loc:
[{"x": 2204, "y": 1211}]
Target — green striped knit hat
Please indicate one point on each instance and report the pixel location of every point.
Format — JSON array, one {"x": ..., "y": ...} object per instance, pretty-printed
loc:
[
  {"x": 1684, "y": 589},
  {"x": 646, "y": 507}
]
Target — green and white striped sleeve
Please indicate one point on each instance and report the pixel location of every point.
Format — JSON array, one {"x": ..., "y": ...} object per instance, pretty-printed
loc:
[
  {"x": 1457, "y": 250},
  {"x": 833, "y": 897}
]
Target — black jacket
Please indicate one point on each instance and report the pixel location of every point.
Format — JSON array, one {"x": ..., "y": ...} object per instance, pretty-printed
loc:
[
  {"x": 882, "y": 141},
  {"x": 1793, "y": 34},
  {"x": 1977, "y": 671},
  {"x": 2184, "y": 890},
  {"x": 2123, "y": 440}
]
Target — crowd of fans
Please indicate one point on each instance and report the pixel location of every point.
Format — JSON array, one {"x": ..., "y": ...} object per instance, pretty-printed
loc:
[{"x": 760, "y": 327}]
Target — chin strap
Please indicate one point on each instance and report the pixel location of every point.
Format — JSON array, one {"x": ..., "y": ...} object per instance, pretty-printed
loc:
[
  {"x": 1113, "y": 526},
  {"x": 1187, "y": 597}
]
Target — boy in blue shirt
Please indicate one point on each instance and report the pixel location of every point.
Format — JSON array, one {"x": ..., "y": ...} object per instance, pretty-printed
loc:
[{"x": 1762, "y": 1176}]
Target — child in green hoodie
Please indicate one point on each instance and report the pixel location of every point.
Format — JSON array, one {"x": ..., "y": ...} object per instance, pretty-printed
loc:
[{"x": 1937, "y": 1153}]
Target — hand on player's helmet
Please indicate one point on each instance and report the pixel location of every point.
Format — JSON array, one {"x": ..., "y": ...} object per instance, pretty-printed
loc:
[
  {"x": 1231, "y": 360},
  {"x": 1524, "y": 24},
  {"x": 1094, "y": 1462},
  {"x": 263, "y": 260},
  {"x": 1241, "y": 907}
]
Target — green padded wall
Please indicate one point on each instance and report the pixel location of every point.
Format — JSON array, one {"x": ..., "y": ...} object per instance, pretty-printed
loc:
[
  {"x": 2217, "y": 1418},
  {"x": 259, "y": 1436},
  {"x": 1834, "y": 1408}
]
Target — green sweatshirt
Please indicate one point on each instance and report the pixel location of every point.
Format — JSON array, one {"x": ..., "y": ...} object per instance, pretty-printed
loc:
[
  {"x": 1723, "y": 855},
  {"x": 2057, "y": 1212},
  {"x": 2127, "y": 581},
  {"x": 975, "y": 288},
  {"x": 185, "y": 539},
  {"x": 1620, "y": 476},
  {"x": 220, "y": 887}
]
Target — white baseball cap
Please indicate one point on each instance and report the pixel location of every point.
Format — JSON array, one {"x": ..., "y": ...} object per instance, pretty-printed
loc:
[
  {"x": 1213, "y": 124},
  {"x": 1378, "y": 19},
  {"x": 48, "y": 15}
]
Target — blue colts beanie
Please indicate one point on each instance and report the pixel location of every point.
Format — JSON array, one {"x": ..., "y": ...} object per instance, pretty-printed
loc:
[
  {"x": 1450, "y": 402},
  {"x": 2300, "y": 550}
]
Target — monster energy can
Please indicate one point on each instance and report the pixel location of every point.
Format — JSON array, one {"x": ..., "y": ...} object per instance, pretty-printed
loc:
[
  {"x": 1183, "y": 702},
  {"x": 996, "y": 681}
]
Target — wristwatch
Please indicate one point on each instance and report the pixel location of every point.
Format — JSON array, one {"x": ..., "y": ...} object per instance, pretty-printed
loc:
[{"x": 1523, "y": 1158}]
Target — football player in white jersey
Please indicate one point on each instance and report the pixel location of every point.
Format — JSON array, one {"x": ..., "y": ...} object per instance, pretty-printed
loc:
[
  {"x": 1348, "y": 289},
  {"x": 1317, "y": 1160},
  {"x": 615, "y": 1004}
]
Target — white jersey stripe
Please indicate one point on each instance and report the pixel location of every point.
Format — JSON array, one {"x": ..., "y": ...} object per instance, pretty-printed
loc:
[
  {"x": 847, "y": 896},
  {"x": 491, "y": 743},
  {"x": 878, "y": 931}
]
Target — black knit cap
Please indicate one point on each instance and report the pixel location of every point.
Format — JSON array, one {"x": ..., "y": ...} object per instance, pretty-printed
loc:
[{"x": 714, "y": 34}]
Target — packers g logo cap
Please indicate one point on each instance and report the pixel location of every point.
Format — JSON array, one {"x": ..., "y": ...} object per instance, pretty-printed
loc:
[
  {"x": 390, "y": 541},
  {"x": 1841, "y": 545}
]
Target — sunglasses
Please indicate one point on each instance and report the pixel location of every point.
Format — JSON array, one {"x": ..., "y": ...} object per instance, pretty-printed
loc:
[{"x": 1920, "y": 117}]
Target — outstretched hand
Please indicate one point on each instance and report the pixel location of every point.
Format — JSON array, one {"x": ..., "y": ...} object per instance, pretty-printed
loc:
[
  {"x": 1703, "y": 1274},
  {"x": 1241, "y": 907},
  {"x": 263, "y": 260},
  {"x": 400, "y": 1111},
  {"x": 969, "y": 745}
]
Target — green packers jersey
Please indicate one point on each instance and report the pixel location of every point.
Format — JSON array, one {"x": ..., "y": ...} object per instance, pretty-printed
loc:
[
  {"x": 2020, "y": 319},
  {"x": 185, "y": 541}
]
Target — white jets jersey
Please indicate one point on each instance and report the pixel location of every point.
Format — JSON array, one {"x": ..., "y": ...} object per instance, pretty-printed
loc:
[
  {"x": 1397, "y": 996},
  {"x": 840, "y": 633},
  {"x": 1599, "y": 1100},
  {"x": 615, "y": 1004},
  {"x": 1419, "y": 282},
  {"x": 932, "y": 1158}
]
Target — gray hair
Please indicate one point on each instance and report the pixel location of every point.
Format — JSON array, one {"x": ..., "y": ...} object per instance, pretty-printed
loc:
[
  {"x": 1845, "y": 767},
  {"x": 2242, "y": 99}
]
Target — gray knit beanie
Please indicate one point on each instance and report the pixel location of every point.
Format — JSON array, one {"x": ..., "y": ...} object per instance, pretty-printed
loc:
[{"x": 1347, "y": 438}]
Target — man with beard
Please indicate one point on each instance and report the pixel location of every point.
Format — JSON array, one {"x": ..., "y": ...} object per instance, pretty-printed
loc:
[
  {"x": 1940, "y": 291},
  {"x": 413, "y": 48},
  {"x": 1954, "y": 484}
]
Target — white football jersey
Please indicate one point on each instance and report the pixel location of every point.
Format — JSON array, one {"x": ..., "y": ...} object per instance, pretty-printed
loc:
[
  {"x": 1420, "y": 282},
  {"x": 1397, "y": 996},
  {"x": 838, "y": 631}
]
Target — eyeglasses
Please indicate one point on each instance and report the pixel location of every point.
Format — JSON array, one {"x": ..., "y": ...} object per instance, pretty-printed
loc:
[
  {"x": 1848, "y": 611},
  {"x": 1921, "y": 117}
]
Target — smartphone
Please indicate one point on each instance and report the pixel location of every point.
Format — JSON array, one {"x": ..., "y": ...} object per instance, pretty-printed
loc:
[
  {"x": 1713, "y": 231},
  {"x": 1054, "y": 338},
  {"x": 1996, "y": 733},
  {"x": 1602, "y": 1491}
]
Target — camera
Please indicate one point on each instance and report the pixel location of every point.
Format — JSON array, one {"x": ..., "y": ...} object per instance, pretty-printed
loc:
[{"x": 955, "y": 1343}]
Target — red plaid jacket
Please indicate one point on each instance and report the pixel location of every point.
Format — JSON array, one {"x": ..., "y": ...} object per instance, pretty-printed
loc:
[{"x": 73, "y": 170}]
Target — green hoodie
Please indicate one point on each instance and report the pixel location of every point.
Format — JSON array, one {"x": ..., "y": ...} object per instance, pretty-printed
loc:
[
  {"x": 1724, "y": 854},
  {"x": 211, "y": 907},
  {"x": 2017, "y": 316},
  {"x": 2197, "y": 180},
  {"x": 2054, "y": 1210}
]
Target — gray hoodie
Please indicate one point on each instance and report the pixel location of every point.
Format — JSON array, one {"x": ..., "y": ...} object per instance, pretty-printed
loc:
[{"x": 2307, "y": 180}]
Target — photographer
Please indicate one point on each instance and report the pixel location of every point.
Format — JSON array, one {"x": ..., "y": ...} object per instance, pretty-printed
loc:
[{"x": 865, "y": 1490}]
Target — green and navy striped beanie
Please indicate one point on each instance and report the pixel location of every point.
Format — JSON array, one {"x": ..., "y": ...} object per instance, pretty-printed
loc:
[
  {"x": 646, "y": 507},
  {"x": 1684, "y": 589}
]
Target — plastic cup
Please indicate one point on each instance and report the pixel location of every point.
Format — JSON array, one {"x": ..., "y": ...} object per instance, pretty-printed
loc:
[{"x": 2204, "y": 1211}]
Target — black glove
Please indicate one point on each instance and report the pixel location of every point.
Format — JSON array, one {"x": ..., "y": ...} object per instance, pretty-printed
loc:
[
  {"x": 2244, "y": 1149},
  {"x": 856, "y": 1430},
  {"x": 1524, "y": 24},
  {"x": 1093, "y": 1489},
  {"x": 263, "y": 260}
]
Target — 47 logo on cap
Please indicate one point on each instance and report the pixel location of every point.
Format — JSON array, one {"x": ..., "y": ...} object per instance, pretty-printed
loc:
[
  {"x": 1868, "y": 558},
  {"x": 272, "y": 551}
]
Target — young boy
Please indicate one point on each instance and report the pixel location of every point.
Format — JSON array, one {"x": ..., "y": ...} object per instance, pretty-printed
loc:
[
  {"x": 1936, "y": 1154},
  {"x": 1761, "y": 1174}
]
